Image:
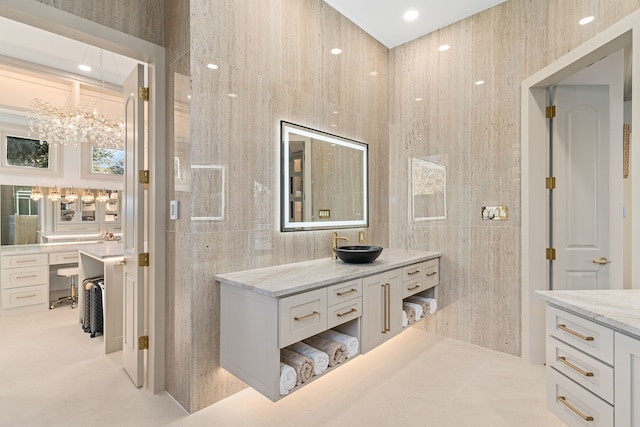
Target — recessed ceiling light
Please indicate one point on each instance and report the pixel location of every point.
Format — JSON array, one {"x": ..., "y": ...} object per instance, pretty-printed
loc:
[
  {"x": 84, "y": 67},
  {"x": 232, "y": 95},
  {"x": 444, "y": 47},
  {"x": 411, "y": 15},
  {"x": 586, "y": 20},
  {"x": 212, "y": 66},
  {"x": 188, "y": 96},
  {"x": 373, "y": 73},
  {"x": 333, "y": 126},
  {"x": 479, "y": 82},
  {"x": 335, "y": 112},
  {"x": 336, "y": 51},
  {"x": 418, "y": 99}
]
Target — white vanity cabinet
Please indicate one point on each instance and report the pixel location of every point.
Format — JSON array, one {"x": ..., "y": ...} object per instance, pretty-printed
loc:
[
  {"x": 265, "y": 310},
  {"x": 382, "y": 302},
  {"x": 593, "y": 357},
  {"x": 627, "y": 380},
  {"x": 24, "y": 281}
]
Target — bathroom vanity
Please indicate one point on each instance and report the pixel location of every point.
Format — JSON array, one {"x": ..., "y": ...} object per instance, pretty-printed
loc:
[
  {"x": 593, "y": 356},
  {"x": 267, "y": 309}
]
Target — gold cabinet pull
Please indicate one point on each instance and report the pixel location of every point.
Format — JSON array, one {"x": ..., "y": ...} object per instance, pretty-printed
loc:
[
  {"x": 432, "y": 274},
  {"x": 350, "y": 291},
  {"x": 297, "y": 319},
  {"x": 25, "y": 260},
  {"x": 564, "y": 361},
  {"x": 25, "y": 296},
  {"x": 388, "y": 305},
  {"x": 415, "y": 287},
  {"x": 574, "y": 333},
  {"x": 26, "y": 277},
  {"x": 353, "y": 310},
  {"x": 411, "y": 273},
  {"x": 563, "y": 400}
]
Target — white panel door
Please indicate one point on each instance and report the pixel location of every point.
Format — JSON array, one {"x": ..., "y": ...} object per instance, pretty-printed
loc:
[
  {"x": 580, "y": 201},
  {"x": 133, "y": 228}
]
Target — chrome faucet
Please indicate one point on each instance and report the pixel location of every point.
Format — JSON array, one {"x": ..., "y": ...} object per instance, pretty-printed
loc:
[{"x": 335, "y": 243}]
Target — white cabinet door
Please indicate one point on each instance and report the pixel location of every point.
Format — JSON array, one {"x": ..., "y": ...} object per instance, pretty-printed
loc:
[
  {"x": 381, "y": 300},
  {"x": 627, "y": 381}
]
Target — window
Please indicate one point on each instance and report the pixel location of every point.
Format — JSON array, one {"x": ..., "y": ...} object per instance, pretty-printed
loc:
[
  {"x": 102, "y": 161},
  {"x": 21, "y": 153}
]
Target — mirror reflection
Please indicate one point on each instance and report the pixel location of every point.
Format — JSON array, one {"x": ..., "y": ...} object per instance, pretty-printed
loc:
[
  {"x": 32, "y": 215},
  {"x": 427, "y": 190},
  {"x": 324, "y": 180}
]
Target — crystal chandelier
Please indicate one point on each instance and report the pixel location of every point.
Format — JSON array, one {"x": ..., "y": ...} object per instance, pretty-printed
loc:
[
  {"x": 82, "y": 125},
  {"x": 87, "y": 196},
  {"x": 102, "y": 196},
  {"x": 36, "y": 193},
  {"x": 71, "y": 195},
  {"x": 54, "y": 194}
]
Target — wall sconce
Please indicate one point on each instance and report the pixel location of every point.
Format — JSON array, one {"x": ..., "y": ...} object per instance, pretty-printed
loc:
[
  {"x": 71, "y": 195},
  {"x": 36, "y": 193},
  {"x": 87, "y": 196},
  {"x": 54, "y": 194}
]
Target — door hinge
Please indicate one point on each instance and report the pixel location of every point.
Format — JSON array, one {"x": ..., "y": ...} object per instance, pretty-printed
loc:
[
  {"x": 551, "y": 254},
  {"x": 551, "y": 112},
  {"x": 143, "y": 93},
  {"x": 143, "y": 259},
  {"x": 143, "y": 176},
  {"x": 550, "y": 183},
  {"x": 143, "y": 342}
]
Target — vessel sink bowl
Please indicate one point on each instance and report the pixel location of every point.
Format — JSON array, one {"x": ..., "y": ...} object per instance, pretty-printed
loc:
[{"x": 358, "y": 254}]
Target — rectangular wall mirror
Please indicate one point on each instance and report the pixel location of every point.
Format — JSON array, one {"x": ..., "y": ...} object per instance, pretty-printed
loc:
[
  {"x": 427, "y": 190},
  {"x": 324, "y": 180}
]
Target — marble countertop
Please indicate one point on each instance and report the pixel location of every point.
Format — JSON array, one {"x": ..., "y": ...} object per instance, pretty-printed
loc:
[
  {"x": 42, "y": 248},
  {"x": 617, "y": 308},
  {"x": 102, "y": 250},
  {"x": 289, "y": 279}
]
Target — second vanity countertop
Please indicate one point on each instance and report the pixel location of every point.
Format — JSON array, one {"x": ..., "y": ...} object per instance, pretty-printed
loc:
[
  {"x": 617, "y": 308},
  {"x": 103, "y": 250},
  {"x": 289, "y": 279}
]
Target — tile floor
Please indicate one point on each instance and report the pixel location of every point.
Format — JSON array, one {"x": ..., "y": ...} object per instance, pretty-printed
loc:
[{"x": 53, "y": 374}]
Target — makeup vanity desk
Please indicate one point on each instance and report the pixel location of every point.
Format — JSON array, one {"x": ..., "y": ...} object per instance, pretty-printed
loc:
[{"x": 104, "y": 259}]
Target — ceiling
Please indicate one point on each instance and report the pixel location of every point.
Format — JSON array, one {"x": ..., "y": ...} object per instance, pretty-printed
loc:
[{"x": 383, "y": 19}]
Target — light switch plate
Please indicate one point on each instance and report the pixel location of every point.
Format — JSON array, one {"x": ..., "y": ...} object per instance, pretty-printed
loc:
[
  {"x": 174, "y": 209},
  {"x": 494, "y": 213}
]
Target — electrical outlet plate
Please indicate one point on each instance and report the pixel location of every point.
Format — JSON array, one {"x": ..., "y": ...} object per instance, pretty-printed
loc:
[{"x": 494, "y": 213}]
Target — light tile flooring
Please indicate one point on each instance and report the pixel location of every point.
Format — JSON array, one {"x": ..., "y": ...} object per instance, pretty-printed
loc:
[{"x": 53, "y": 374}]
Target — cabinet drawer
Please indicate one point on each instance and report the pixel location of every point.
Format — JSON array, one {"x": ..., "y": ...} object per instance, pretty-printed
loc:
[
  {"x": 412, "y": 287},
  {"x": 581, "y": 368},
  {"x": 584, "y": 334},
  {"x": 432, "y": 273},
  {"x": 67, "y": 257},
  {"x": 11, "y": 261},
  {"x": 342, "y": 313},
  {"x": 414, "y": 272},
  {"x": 79, "y": 227},
  {"x": 302, "y": 316},
  {"x": 20, "y": 297},
  {"x": 344, "y": 292},
  {"x": 574, "y": 405},
  {"x": 25, "y": 276}
]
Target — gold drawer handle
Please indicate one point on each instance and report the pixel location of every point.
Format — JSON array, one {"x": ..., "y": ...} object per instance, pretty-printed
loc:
[
  {"x": 350, "y": 291},
  {"x": 353, "y": 310},
  {"x": 415, "y": 287},
  {"x": 411, "y": 273},
  {"x": 25, "y": 260},
  {"x": 563, "y": 360},
  {"x": 297, "y": 319},
  {"x": 26, "y": 296},
  {"x": 26, "y": 277},
  {"x": 563, "y": 400},
  {"x": 572, "y": 332},
  {"x": 432, "y": 274},
  {"x": 71, "y": 257}
]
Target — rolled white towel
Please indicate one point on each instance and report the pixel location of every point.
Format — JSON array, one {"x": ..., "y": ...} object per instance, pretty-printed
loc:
[
  {"x": 405, "y": 319},
  {"x": 320, "y": 358},
  {"x": 352, "y": 344},
  {"x": 416, "y": 307},
  {"x": 287, "y": 379},
  {"x": 433, "y": 304}
]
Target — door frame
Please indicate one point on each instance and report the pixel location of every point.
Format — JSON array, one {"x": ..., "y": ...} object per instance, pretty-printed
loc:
[
  {"x": 41, "y": 16},
  {"x": 534, "y": 155}
]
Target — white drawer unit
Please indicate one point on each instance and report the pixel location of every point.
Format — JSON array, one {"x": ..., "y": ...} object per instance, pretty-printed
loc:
[
  {"x": 67, "y": 257},
  {"x": 24, "y": 282},
  {"x": 12, "y": 261},
  {"x": 25, "y": 296},
  {"x": 302, "y": 316},
  {"x": 575, "y": 405}
]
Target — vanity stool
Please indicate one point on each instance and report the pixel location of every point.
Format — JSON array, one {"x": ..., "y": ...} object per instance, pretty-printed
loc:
[{"x": 71, "y": 272}]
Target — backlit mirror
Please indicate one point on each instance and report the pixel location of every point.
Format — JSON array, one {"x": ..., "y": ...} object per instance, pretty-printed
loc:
[{"x": 324, "y": 180}]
